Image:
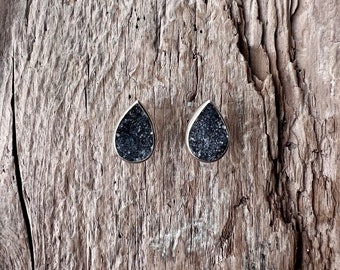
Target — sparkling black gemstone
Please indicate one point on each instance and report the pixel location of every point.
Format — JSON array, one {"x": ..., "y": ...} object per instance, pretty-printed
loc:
[
  {"x": 134, "y": 137},
  {"x": 207, "y": 134}
]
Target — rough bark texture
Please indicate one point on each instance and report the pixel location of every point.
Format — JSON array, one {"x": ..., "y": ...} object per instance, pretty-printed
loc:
[{"x": 69, "y": 69}]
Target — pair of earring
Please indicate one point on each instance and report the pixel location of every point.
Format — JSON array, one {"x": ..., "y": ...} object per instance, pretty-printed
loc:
[{"x": 206, "y": 136}]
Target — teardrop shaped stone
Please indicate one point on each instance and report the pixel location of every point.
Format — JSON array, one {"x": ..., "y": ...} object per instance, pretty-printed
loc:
[
  {"x": 134, "y": 137},
  {"x": 207, "y": 135}
]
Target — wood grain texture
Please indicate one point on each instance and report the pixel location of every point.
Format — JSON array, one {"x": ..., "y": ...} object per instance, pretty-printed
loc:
[
  {"x": 14, "y": 245},
  {"x": 271, "y": 68}
]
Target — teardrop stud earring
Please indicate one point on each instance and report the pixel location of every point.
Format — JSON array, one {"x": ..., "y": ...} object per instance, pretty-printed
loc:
[
  {"x": 134, "y": 138},
  {"x": 207, "y": 134}
]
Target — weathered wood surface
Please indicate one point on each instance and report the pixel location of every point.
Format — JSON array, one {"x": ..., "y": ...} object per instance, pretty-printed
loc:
[{"x": 69, "y": 69}]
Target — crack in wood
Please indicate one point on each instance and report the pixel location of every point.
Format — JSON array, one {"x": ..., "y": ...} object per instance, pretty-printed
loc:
[
  {"x": 18, "y": 174},
  {"x": 27, "y": 11},
  {"x": 88, "y": 82},
  {"x": 299, "y": 245}
]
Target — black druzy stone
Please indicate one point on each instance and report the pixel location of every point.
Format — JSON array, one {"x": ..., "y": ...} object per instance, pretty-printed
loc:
[
  {"x": 134, "y": 138},
  {"x": 207, "y": 135}
]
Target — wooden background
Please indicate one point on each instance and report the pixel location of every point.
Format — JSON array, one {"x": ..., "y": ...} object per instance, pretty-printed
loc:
[{"x": 69, "y": 69}]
